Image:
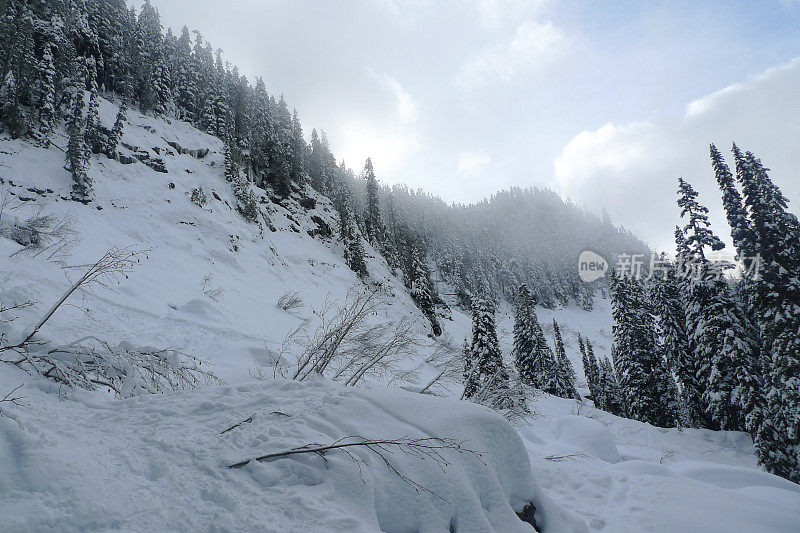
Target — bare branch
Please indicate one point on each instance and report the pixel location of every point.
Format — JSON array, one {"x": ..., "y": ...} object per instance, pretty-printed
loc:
[
  {"x": 13, "y": 399},
  {"x": 421, "y": 448},
  {"x": 90, "y": 362},
  {"x": 289, "y": 301},
  {"x": 116, "y": 262},
  {"x": 239, "y": 424},
  {"x": 562, "y": 457}
]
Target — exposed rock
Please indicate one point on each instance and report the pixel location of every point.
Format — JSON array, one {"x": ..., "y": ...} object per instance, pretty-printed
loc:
[{"x": 527, "y": 515}]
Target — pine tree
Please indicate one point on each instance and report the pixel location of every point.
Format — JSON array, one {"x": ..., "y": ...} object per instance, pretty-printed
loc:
[
  {"x": 667, "y": 298},
  {"x": 93, "y": 139},
  {"x": 115, "y": 136},
  {"x": 373, "y": 212},
  {"x": 720, "y": 339},
  {"x": 563, "y": 375},
  {"x": 533, "y": 357},
  {"x": 692, "y": 241},
  {"x": 351, "y": 238},
  {"x": 741, "y": 231},
  {"x": 611, "y": 399},
  {"x": 590, "y": 368},
  {"x": 46, "y": 94},
  {"x": 488, "y": 377},
  {"x": 776, "y": 300},
  {"x": 11, "y": 112},
  {"x": 77, "y": 152},
  {"x": 640, "y": 370},
  {"x": 422, "y": 290},
  {"x": 525, "y": 338}
]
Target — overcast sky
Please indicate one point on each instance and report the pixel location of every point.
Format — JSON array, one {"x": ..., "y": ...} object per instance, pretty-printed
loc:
[{"x": 605, "y": 102}]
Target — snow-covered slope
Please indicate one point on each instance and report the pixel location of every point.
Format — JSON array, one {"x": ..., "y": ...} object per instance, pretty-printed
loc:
[{"x": 209, "y": 285}]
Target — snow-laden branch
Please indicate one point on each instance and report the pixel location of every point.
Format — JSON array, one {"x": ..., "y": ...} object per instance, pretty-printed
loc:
[{"x": 91, "y": 362}]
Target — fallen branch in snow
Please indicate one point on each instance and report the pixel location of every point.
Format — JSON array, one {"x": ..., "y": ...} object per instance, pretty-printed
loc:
[
  {"x": 40, "y": 232},
  {"x": 249, "y": 419},
  {"x": 421, "y": 448},
  {"x": 13, "y": 400},
  {"x": 561, "y": 457},
  {"x": 289, "y": 301},
  {"x": 239, "y": 424}
]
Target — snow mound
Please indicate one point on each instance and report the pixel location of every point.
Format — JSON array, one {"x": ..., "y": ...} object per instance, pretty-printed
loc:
[
  {"x": 732, "y": 477},
  {"x": 159, "y": 462},
  {"x": 587, "y": 435}
]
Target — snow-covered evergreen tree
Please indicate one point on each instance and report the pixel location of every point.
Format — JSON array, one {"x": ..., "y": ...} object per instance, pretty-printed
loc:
[
  {"x": 641, "y": 373},
  {"x": 46, "y": 93},
  {"x": 720, "y": 338},
  {"x": 351, "y": 238},
  {"x": 372, "y": 218},
  {"x": 533, "y": 357},
  {"x": 487, "y": 376},
  {"x": 77, "y": 150},
  {"x": 562, "y": 375},
  {"x": 590, "y": 369},
  {"x": 115, "y": 136},
  {"x": 776, "y": 301},
  {"x": 422, "y": 290},
  {"x": 12, "y": 115}
]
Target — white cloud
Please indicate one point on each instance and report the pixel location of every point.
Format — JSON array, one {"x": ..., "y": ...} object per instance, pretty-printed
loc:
[
  {"x": 533, "y": 46},
  {"x": 406, "y": 107},
  {"x": 495, "y": 13},
  {"x": 706, "y": 103},
  {"x": 472, "y": 163},
  {"x": 632, "y": 169},
  {"x": 608, "y": 150},
  {"x": 387, "y": 137}
]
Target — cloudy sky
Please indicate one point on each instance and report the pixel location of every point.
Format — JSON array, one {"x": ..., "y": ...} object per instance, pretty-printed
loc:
[{"x": 605, "y": 102}]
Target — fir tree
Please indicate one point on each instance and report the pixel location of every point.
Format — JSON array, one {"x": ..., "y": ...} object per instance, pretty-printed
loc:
[
  {"x": 373, "y": 211},
  {"x": 422, "y": 290},
  {"x": 351, "y": 238},
  {"x": 777, "y": 303},
  {"x": 533, "y": 357},
  {"x": 741, "y": 232},
  {"x": 562, "y": 376},
  {"x": 77, "y": 153},
  {"x": 488, "y": 376},
  {"x": 641, "y": 379},
  {"x": 667, "y": 298},
  {"x": 11, "y": 112},
  {"x": 611, "y": 399},
  {"x": 525, "y": 338},
  {"x": 46, "y": 94},
  {"x": 720, "y": 339},
  {"x": 93, "y": 139},
  {"x": 115, "y": 136},
  {"x": 590, "y": 369}
]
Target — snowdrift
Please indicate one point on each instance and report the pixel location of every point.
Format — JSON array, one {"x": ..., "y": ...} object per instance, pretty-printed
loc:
[{"x": 159, "y": 463}]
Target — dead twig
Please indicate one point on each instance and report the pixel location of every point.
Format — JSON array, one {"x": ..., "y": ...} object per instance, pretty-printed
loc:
[
  {"x": 239, "y": 424},
  {"x": 561, "y": 457}
]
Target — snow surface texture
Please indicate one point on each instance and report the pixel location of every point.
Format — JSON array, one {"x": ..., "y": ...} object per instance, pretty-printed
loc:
[{"x": 209, "y": 284}]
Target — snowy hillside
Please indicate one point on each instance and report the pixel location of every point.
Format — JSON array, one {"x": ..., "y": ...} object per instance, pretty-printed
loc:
[{"x": 208, "y": 283}]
